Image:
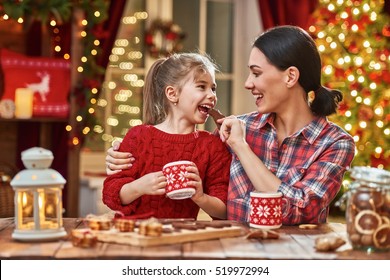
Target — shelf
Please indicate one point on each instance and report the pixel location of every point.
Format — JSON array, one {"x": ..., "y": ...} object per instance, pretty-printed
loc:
[{"x": 40, "y": 119}]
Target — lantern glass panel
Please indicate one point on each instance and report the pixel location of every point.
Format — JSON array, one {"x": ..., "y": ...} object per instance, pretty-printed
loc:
[{"x": 39, "y": 208}]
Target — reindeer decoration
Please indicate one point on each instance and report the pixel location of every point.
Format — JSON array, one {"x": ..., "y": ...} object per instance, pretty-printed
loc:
[{"x": 42, "y": 87}]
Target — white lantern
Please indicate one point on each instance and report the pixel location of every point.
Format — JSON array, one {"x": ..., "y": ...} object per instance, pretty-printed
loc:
[{"x": 38, "y": 198}]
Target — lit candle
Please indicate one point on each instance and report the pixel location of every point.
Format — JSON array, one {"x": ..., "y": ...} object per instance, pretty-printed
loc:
[{"x": 23, "y": 103}]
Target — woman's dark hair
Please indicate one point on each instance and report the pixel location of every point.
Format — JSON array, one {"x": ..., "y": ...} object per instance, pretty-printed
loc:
[{"x": 286, "y": 46}]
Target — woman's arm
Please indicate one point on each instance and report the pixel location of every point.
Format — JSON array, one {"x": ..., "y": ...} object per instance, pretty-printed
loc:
[
  {"x": 308, "y": 199},
  {"x": 117, "y": 161}
]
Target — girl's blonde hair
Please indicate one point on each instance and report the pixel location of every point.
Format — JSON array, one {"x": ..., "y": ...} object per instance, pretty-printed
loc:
[{"x": 171, "y": 71}]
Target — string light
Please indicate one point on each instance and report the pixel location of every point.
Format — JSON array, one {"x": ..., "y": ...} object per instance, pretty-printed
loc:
[
  {"x": 95, "y": 12},
  {"x": 125, "y": 89},
  {"x": 356, "y": 61},
  {"x": 75, "y": 141},
  {"x": 86, "y": 130}
]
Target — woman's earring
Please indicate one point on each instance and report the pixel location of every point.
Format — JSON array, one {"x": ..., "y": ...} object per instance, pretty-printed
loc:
[
  {"x": 311, "y": 95},
  {"x": 175, "y": 103}
]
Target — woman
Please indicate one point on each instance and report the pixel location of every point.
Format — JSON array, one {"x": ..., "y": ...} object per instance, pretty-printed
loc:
[{"x": 288, "y": 145}]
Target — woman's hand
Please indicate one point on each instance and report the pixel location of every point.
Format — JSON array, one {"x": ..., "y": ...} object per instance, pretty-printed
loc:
[
  {"x": 233, "y": 131},
  {"x": 117, "y": 161}
]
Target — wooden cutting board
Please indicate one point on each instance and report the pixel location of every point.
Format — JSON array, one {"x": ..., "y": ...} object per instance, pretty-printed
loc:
[{"x": 184, "y": 235}]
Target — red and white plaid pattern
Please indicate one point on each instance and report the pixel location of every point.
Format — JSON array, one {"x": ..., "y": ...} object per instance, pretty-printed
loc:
[{"x": 310, "y": 163}]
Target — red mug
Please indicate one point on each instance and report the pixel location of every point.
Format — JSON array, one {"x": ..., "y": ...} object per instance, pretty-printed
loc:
[
  {"x": 265, "y": 210},
  {"x": 177, "y": 184}
]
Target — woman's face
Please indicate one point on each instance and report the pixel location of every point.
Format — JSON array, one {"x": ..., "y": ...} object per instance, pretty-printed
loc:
[
  {"x": 197, "y": 97},
  {"x": 266, "y": 83}
]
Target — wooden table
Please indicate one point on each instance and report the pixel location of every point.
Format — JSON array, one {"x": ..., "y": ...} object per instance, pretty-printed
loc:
[{"x": 294, "y": 243}]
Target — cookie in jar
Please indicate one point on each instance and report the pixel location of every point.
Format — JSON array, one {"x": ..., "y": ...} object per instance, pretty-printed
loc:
[{"x": 368, "y": 209}]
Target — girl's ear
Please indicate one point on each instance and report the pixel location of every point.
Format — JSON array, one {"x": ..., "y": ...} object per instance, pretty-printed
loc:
[
  {"x": 292, "y": 76},
  {"x": 171, "y": 94}
]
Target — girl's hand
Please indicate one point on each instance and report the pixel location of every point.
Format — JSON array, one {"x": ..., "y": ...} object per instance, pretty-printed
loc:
[
  {"x": 117, "y": 161},
  {"x": 152, "y": 183},
  {"x": 195, "y": 181},
  {"x": 212, "y": 205}
]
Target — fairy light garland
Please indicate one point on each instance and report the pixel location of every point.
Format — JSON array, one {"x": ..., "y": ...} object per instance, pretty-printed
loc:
[
  {"x": 123, "y": 110},
  {"x": 160, "y": 39}
]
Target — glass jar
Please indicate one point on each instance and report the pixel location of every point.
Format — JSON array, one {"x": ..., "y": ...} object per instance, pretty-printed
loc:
[{"x": 368, "y": 209}]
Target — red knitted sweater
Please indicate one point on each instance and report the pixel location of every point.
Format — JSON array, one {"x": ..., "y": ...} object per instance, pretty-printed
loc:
[{"x": 152, "y": 149}]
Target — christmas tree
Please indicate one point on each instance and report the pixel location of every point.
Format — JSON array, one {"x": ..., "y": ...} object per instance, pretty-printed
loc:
[{"x": 353, "y": 38}]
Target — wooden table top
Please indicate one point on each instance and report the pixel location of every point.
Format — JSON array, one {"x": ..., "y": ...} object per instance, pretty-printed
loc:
[{"x": 293, "y": 243}]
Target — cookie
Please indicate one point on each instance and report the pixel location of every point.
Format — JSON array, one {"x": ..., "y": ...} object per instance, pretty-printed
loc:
[
  {"x": 308, "y": 226},
  {"x": 328, "y": 243}
]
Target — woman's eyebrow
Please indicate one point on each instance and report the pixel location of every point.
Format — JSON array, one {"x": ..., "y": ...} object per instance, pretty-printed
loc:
[{"x": 253, "y": 66}]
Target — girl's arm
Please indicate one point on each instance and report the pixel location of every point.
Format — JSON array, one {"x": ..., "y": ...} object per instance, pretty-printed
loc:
[
  {"x": 216, "y": 180},
  {"x": 212, "y": 205}
]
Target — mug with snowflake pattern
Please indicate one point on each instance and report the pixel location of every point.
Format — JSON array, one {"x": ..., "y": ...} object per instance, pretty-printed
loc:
[
  {"x": 265, "y": 210},
  {"x": 177, "y": 187}
]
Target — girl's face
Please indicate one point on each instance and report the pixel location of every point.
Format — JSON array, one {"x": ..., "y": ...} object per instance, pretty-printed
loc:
[
  {"x": 266, "y": 83},
  {"x": 197, "y": 97}
]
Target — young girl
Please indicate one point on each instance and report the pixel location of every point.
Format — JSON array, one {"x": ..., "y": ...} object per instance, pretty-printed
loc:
[{"x": 178, "y": 93}]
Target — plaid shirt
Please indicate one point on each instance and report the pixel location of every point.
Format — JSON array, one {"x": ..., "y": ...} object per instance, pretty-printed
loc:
[{"x": 310, "y": 163}]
